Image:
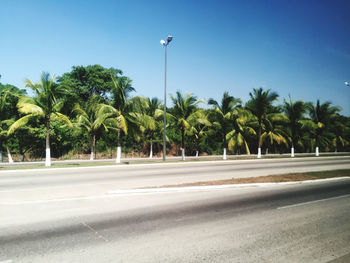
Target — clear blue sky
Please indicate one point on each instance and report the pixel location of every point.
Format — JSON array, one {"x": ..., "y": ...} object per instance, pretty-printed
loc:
[{"x": 296, "y": 47}]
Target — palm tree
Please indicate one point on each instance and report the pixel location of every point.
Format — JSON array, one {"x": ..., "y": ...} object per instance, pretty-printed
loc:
[
  {"x": 9, "y": 96},
  {"x": 146, "y": 115},
  {"x": 93, "y": 119},
  {"x": 4, "y": 127},
  {"x": 322, "y": 115},
  {"x": 121, "y": 89},
  {"x": 340, "y": 128},
  {"x": 223, "y": 114},
  {"x": 183, "y": 113},
  {"x": 295, "y": 112},
  {"x": 46, "y": 105},
  {"x": 274, "y": 129},
  {"x": 3, "y": 122},
  {"x": 260, "y": 104},
  {"x": 241, "y": 130},
  {"x": 200, "y": 127}
]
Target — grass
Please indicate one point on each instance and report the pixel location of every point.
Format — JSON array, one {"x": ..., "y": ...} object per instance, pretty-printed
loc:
[{"x": 292, "y": 177}]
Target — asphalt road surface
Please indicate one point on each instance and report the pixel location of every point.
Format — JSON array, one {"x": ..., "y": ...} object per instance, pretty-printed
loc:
[
  {"x": 72, "y": 216},
  {"x": 63, "y": 182}
]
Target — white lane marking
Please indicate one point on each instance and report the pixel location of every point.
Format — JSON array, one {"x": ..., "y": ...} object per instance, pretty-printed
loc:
[
  {"x": 313, "y": 202},
  {"x": 6, "y": 261},
  {"x": 166, "y": 164}
]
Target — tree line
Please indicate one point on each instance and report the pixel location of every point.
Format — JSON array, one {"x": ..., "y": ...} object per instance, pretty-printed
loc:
[{"x": 92, "y": 110}]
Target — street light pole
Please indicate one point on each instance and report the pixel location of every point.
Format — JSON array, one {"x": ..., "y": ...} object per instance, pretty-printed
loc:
[
  {"x": 165, "y": 44},
  {"x": 164, "y": 130}
]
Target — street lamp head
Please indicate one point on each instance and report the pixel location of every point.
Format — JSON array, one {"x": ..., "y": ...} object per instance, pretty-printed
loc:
[
  {"x": 162, "y": 42},
  {"x": 170, "y": 38},
  {"x": 346, "y": 83}
]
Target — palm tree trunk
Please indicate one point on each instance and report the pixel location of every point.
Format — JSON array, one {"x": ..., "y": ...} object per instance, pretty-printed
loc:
[
  {"x": 48, "y": 153},
  {"x": 21, "y": 157},
  {"x": 93, "y": 142},
  {"x": 182, "y": 144},
  {"x": 119, "y": 150},
  {"x": 151, "y": 147},
  {"x": 225, "y": 143},
  {"x": 198, "y": 142},
  {"x": 317, "y": 153},
  {"x": 9, "y": 153},
  {"x": 259, "y": 139},
  {"x": 259, "y": 134}
]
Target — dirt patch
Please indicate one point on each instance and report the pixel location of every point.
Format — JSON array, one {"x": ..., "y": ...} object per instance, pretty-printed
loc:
[{"x": 272, "y": 178}]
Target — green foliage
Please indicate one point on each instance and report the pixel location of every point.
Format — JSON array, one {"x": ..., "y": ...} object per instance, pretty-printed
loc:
[
  {"x": 224, "y": 112},
  {"x": 295, "y": 113},
  {"x": 91, "y": 109},
  {"x": 88, "y": 81},
  {"x": 9, "y": 96},
  {"x": 261, "y": 104},
  {"x": 238, "y": 137},
  {"x": 184, "y": 112},
  {"x": 322, "y": 115}
]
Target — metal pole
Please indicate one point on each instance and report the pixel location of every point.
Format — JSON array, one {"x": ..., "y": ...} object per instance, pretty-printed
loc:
[{"x": 164, "y": 131}]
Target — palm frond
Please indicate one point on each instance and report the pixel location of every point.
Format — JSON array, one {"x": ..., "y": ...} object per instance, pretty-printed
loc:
[{"x": 20, "y": 123}]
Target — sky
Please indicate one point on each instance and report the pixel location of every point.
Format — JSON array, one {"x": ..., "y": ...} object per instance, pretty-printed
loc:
[{"x": 301, "y": 48}]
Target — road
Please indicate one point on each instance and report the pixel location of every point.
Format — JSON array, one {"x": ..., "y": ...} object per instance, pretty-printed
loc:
[
  {"x": 69, "y": 182},
  {"x": 281, "y": 223}
]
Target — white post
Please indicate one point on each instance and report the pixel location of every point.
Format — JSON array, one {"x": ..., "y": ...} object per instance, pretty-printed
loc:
[
  {"x": 48, "y": 157},
  {"x": 10, "y": 157},
  {"x": 259, "y": 152},
  {"x": 317, "y": 152},
  {"x": 182, "y": 154},
  {"x": 9, "y": 154},
  {"x": 119, "y": 153},
  {"x": 292, "y": 152},
  {"x": 196, "y": 153},
  {"x": 224, "y": 156},
  {"x": 267, "y": 150},
  {"x": 150, "y": 154},
  {"x": 0, "y": 156},
  {"x": 92, "y": 156}
]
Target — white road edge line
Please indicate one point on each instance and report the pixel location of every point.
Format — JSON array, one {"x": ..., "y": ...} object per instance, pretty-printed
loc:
[
  {"x": 6, "y": 261},
  {"x": 313, "y": 202}
]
